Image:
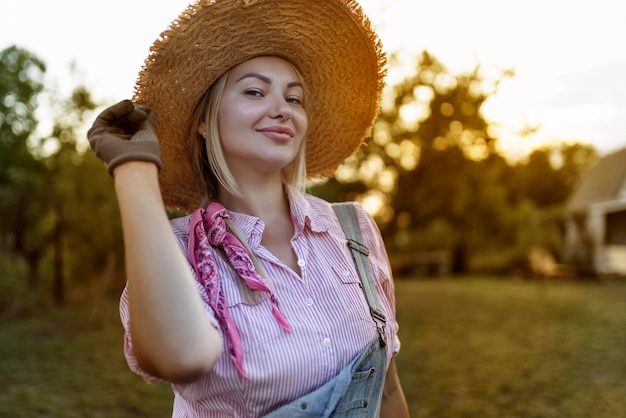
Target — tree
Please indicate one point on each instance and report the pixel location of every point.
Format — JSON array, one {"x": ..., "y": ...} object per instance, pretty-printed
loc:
[
  {"x": 59, "y": 213},
  {"x": 550, "y": 174},
  {"x": 21, "y": 175},
  {"x": 429, "y": 157},
  {"x": 65, "y": 183},
  {"x": 433, "y": 164}
]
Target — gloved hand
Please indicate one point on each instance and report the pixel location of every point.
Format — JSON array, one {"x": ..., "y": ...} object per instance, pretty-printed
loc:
[{"x": 125, "y": 132}]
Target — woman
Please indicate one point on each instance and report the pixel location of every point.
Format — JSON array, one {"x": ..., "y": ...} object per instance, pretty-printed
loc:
[{"x": 252, "y": 305}]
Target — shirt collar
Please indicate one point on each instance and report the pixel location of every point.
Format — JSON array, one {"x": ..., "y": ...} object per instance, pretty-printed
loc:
[
  {"x": 303, "y": 214},
  {"x": 250, "y": 226}
]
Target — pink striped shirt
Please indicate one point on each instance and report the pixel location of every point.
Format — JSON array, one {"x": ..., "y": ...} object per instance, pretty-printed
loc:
[{"x": 325, "y": 306}]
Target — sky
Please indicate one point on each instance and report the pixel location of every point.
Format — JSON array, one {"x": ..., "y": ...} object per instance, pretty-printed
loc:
[{"x": 569, "y": 56}]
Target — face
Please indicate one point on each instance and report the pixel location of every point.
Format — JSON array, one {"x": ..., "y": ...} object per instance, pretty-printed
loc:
[{"x": 261, "y": 118}]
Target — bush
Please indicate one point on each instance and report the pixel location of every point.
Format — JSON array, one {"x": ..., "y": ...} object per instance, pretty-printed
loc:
[{"x": 14, "y": 292}]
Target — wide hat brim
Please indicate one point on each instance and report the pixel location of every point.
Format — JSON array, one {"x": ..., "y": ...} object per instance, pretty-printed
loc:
[{"x": 330, "y": 42}]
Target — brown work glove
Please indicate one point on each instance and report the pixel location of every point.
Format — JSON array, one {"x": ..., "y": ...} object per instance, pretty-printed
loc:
[{"x": 125, "y": 132}]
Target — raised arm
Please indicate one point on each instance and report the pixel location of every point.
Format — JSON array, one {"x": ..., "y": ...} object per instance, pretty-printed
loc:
[{"x": 171, "y": 334}]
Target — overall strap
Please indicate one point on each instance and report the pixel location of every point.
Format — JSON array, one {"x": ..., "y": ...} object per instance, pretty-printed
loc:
[{"x": 348, "y": 218}]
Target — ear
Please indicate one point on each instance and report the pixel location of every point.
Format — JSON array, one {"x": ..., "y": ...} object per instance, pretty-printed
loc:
[{"x": 202, "y": 129}]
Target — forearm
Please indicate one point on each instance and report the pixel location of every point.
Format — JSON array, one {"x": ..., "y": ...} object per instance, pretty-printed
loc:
[
  {"x": 393, "y": 403},
  {"x": 172, "y": 336}
]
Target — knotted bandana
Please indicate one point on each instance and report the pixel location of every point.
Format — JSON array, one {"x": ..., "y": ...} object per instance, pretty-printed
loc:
[{"x": 208, "y": 229}]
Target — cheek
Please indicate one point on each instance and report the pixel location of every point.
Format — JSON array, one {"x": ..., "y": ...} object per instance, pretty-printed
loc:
[
  {"x": 231, "y": 120},
  {"x": 224, "y": 116},
  {"x": 303, "y": 122}
]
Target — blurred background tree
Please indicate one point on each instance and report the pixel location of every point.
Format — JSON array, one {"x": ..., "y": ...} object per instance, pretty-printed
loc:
[
  {"x": 431, "y": 174},
  {"x": 22, "y": 176},
  {"x": 59, "y": 217}
]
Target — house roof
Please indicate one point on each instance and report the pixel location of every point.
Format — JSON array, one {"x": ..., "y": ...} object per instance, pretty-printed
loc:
[{"x": 604, "y": 181}]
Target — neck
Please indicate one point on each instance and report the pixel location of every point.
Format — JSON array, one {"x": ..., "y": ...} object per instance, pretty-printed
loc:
[
  {"x": 261, "y": 200},
  {"x": 269, "y": 203}
]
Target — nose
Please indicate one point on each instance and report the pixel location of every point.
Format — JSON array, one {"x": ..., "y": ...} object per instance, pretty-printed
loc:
[{"x": 281, "y": 109}]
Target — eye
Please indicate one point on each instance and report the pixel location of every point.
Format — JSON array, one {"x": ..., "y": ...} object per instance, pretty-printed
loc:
[
  {"x": 295, "y": 100},
  {"x": 253, "y": 93}
]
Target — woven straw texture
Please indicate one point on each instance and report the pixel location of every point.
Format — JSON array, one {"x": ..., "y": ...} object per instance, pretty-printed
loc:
[{"x": 330, "y": 41}]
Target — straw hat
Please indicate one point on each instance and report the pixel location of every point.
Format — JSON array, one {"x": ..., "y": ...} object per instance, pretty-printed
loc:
[{"x": 330, "y": 42}]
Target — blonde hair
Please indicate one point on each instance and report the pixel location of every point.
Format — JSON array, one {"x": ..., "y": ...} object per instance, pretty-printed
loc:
[{"x": 207, "y": 156}]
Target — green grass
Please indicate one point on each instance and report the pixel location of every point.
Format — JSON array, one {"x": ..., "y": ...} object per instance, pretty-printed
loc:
[
  {"x": 471, "y": 348},
  {"x": 70, "y": 363},
  {"x": 484, "y": 348}
]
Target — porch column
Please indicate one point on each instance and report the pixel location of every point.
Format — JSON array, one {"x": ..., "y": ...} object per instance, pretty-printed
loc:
[{"x": 596, "y": 227}]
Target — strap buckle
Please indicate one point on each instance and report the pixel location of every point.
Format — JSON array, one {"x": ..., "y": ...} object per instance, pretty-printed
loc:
[
  {"x": 357, "y": 246},
  {"x": 382, "y": 337},
  {"x": 379, "y": 316}
]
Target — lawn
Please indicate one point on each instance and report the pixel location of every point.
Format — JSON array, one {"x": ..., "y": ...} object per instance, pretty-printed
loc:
[
  {"x": 484, "y": 348},
  {"x": 471, "y": 348},
  {"x": 70, "y": 364}
]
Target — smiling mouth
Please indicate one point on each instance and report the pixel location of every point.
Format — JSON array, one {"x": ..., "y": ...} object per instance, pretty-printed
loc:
[{"x": 278, "y": 133}]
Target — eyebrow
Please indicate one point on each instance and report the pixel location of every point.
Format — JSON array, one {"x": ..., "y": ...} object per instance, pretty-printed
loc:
[{"x": 267, "y": 80}]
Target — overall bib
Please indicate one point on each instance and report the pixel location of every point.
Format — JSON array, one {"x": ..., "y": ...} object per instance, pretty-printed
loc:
[{"x": 354, "y": 393}]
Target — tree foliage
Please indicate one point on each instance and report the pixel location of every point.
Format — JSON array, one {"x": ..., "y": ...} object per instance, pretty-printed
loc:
[
  {"x": 434, "y": 164},
  {"x": 58, "y": 209},
  {"x": 550, "y": 174},
  {"x": 81, "y": 201},
  {"x": 22, "y": 177}
]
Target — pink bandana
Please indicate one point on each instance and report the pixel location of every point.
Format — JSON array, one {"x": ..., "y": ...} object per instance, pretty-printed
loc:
[{"x": 208, "y": 229}]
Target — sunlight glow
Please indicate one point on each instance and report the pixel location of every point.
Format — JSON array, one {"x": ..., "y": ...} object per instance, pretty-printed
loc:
[
  {"x": 382, "y": 137},
  {"x": 456, "y": 127},
  {"x": 372, "y": 203},
  {"x": 445, "y": 82},
  {"x": 423, "y": 94},
  {"x": 346, "y": 174},
  {"x": 410, "y": 155},
  {"x": 376, "y": 204},
  {"x": 478, "y": 151},
  {"x": 370, "y": 169},
  {"x": 412, "y": 114},
  {"x": 446, "y": 109},
  {"x": 394, "y": 150},
  {"x": 440, "y": 143},
  {"x": 387, "y": 180}
]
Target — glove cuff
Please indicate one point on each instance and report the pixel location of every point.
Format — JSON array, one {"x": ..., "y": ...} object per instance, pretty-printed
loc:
[{"x": 139, "y": 151}]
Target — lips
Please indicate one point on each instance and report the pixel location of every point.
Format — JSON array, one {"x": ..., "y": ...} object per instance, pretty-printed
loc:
[{"x": 277, "y": 133}]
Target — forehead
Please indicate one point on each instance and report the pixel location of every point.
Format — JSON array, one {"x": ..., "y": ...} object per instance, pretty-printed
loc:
[{"x": 270, "y": 66}]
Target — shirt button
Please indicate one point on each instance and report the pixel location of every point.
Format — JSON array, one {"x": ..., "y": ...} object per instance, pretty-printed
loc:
[
  {"x": 308, "y": 302},
  {"x": 346, "y": 273},
  {"x": 301, "y": 262},
  {"x": 326, "y": 342}
]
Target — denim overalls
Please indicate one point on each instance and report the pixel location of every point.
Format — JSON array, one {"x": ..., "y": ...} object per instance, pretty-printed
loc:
[
  {"x": 354, "y": 393},
  {"x": 357, "y": 390}
]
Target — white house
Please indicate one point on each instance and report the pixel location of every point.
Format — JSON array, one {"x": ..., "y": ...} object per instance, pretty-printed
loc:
[{"x": 595, "y": 227}]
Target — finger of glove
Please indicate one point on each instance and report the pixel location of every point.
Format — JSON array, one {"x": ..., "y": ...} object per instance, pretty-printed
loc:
[
  {"x": 145, "y": 133},
  {"x": 108, "y": 147},
  {"x": 111, "y": 114},
  {"x": 121, "y": 116},
  {"x": 151, "y": 114},
  {"x": 136, "y": 151},
  {"x": 97, "y": 133}
]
